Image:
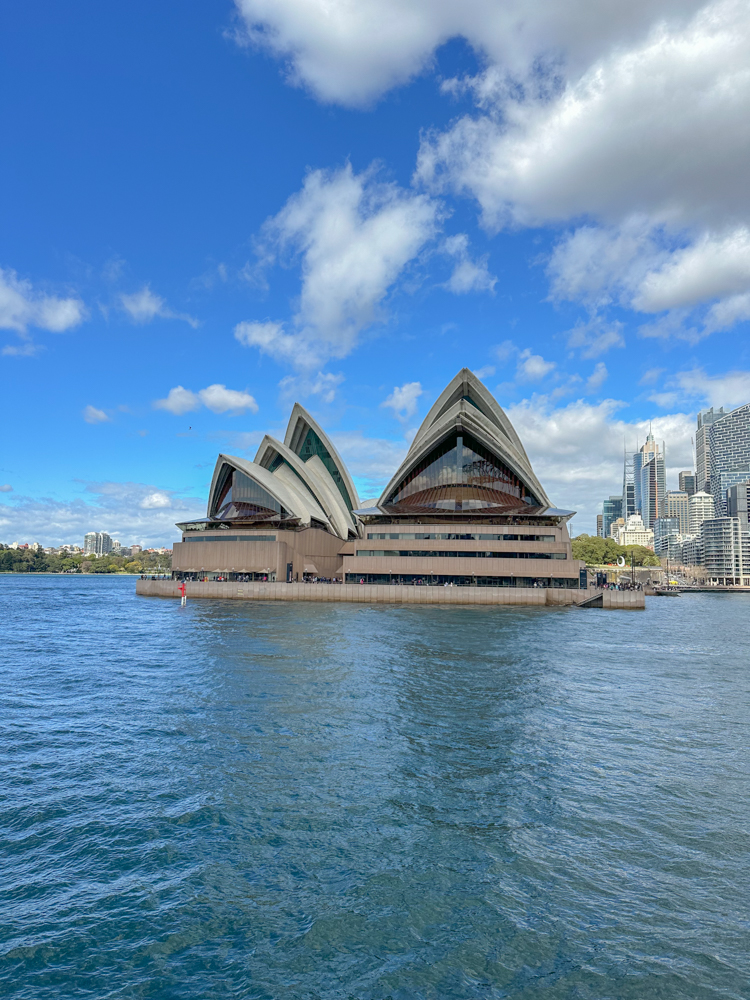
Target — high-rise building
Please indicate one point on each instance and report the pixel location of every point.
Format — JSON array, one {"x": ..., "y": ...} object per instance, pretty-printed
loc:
[
  {"x": 676, "y": 504},
  {"x": 599, "y": 526},
  {"x": 628, "y": 486},
  {"x": 729, "y": 454},
  {"x": 687, "y": 483},
  {"x": 726, "y": 551},
  {"x": 702, "y": 447},
  {"x": 651, "y": 506},
  {"x": 700, "y": 508},
  {"x": 611, "y": 510},
  {"x": 738, "y": 502},
  {"x": 653, "y": 489},
  {"x": 97, "y": 543},
  {"x": 667, "y": 536}
]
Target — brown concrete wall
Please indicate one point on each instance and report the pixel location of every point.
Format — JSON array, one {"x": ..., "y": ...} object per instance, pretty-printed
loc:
[
  {"x": 377, "y": 594},
  {"x": 456, "y": 565},
  {"x": 308, "y": 546}
]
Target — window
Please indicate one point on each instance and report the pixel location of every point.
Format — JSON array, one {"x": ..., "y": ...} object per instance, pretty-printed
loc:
[
  {"x": 248, "y": 536},
  {"x": 312, "y": 445},
  {"x": 459, "y": 554},
  {"x": 461, "y": 474},
  {"x": 243, "y": 499},
  {"x": 453, "y": 536}
]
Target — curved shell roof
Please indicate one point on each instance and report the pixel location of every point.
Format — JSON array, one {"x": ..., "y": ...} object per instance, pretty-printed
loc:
[
  {"x": 293, "y": 496},
  {"x": 465, "y": 404},
  {"x": 315, "y": 477},
  {"x": 300, "y": 438}
]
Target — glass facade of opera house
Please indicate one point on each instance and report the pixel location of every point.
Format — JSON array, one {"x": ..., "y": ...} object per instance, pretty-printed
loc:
[{"x": 464, "y": 509}]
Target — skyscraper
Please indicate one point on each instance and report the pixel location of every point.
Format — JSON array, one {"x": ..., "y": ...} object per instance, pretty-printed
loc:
[
  {"x": 676, "y": 505},
  {"x": 628, "y": 486},
  {"x": 687, "y": 483},
  {"x": 599, "y": 528},
  {"x": 653, "y": 489},
  {"x": 648, "y": 451},
  {"x": 702, "y": 448},
  {"x": 700, "y": 507},
  {"x": 729, "y": 454},
  {"x": 611, "y": 510}
]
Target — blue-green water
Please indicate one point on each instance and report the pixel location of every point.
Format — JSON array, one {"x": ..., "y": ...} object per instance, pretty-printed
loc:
[{"x": 311, "y": 801}]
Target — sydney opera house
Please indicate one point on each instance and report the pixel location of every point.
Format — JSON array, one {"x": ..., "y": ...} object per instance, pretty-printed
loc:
[{"x": 464, "y": 508}]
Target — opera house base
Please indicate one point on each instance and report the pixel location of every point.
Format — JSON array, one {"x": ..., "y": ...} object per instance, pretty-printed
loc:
[{"x": 371, "y": 593}]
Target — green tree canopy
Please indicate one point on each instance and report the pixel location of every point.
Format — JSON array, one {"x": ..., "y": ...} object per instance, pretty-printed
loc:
[{"x": 597, "y": 551}]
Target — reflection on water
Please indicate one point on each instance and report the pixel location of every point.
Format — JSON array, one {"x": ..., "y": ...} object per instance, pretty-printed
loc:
[{"x": 282, "y": 801}]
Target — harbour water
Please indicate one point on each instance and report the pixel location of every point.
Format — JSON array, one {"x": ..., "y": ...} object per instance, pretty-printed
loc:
[{"x": 251, "y": 800}]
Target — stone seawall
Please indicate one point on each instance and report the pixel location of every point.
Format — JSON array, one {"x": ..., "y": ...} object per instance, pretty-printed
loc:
[{"x": 383, "y": 594}]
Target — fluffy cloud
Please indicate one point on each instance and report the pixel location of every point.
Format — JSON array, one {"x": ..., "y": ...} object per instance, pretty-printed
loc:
[
  {"x": 651, "y": 141},
  {"x": 143, "y": 306},
  {"x": 658, "y": 127},
  {"x": 93, "y": 416},
  {"x": 403, "y": 400},
  {"x": 597, "y": 378},
  {"x": 324, "y": 384},
  {"x": 596, "y": 337},
  {"x": 468, "y": 275},
  {"x": 353, "y": 236},
  {"x": 351, "y": 53},
  {"x": 21, "y": 307},
  {"x": 216, "y": 398},
  {"x": 533, "y": 367},
  {"x": 219, "y": 399},
  {"x": 132, "y": 512},
  {"x": 730, "y": 389},
  {"x": 272, "y": 339},
  {"x": 6, "y": 488}
]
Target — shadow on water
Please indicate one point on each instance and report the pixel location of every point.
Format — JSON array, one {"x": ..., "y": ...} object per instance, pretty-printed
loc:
[{"x": 267, "y": 800}]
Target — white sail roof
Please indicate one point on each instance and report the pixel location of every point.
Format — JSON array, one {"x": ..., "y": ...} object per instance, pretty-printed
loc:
[{"x": 466, "y": 407}]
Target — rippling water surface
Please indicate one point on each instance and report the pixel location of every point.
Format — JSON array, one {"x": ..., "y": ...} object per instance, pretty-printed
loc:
[{"x": 302, "y": 801}]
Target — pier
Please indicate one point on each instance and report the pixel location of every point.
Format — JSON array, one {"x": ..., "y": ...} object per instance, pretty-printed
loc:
[{"x": 370, "y": 593}]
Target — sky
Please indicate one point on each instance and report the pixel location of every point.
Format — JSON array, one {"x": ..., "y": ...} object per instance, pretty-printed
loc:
[{"x": 211, "y": 211}]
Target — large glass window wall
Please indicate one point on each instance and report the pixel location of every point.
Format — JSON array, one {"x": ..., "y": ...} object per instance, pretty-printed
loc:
[
  {"x": 455, "y": 580},
  {"x": 459, "y": 554},
  {"x": 453, "y": 536},
  {"x": 247, "y": 536},
  {"x": 461, "y": 474},
  {"x": 242, "y": 498}
]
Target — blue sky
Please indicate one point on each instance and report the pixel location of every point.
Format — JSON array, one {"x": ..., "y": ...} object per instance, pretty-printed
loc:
[{"x": 211, "y": 210}]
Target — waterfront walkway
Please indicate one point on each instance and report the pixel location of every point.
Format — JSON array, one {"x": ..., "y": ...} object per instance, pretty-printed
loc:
[{"x": 629, "y": 600}]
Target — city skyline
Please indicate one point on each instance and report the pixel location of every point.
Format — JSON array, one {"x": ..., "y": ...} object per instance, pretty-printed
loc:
[{"x": 213, "y": 212}]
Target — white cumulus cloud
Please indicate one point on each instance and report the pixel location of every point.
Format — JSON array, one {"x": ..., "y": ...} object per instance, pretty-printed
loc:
[
  {"x": 94, "y": 416},
  {"x": 22, "y": 306},
  {"x": 351, "y": 52},
  {"x": 144, "y": 306},
  {"x": 216, "y": 398},
  {"x": 352, "y": 235},
  {"x": 219, "y": 399},
  {"x": 468, "y": 275},
  {"x": 403, "y": 400},
  {"x": 533, "y": 367}
]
